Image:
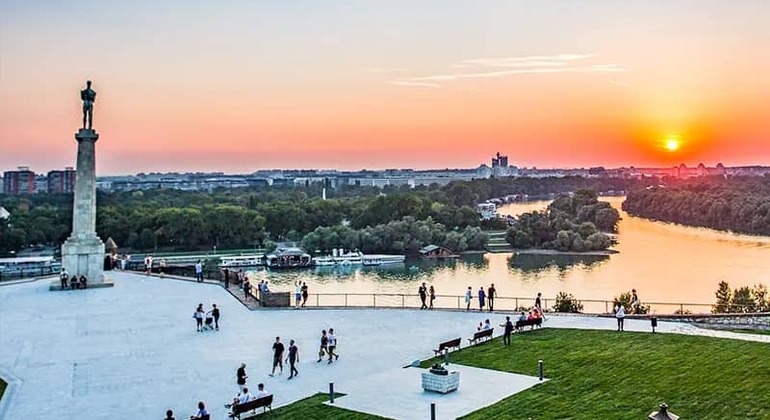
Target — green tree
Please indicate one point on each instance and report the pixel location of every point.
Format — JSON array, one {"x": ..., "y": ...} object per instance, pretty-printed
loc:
[{"x": 724, "y": 298}]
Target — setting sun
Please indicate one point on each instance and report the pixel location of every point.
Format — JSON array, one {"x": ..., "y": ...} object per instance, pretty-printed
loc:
[{"x": 672, "y": 144}]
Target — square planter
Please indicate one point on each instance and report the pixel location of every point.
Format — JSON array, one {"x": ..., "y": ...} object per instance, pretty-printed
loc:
[{"x": 440, "y": 383}]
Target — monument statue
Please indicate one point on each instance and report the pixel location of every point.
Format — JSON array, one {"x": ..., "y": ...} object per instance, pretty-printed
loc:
[
  {"x": 88, "y": 96},
  {"x": 83, "y": 252}
]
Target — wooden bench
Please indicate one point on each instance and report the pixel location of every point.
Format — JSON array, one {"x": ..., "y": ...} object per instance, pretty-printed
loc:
[
  {"x": 266, "y": 401},
  {"x": 448, "y": 345},
  {"x": 533, "y": 322},
  {"x": 479, "y": 335}
]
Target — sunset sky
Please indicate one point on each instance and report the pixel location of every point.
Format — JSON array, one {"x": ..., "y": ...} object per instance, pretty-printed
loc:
[{"x": 188, "y": 85}]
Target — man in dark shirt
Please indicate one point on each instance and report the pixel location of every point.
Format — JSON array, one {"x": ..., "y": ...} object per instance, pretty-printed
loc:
[
  {"x": 241, "y": 375},
  {"x": 508, "y": 329},
  {"x": 278, "y": 349},
  {"x": 423, "y": 291},
  {"x": 324, "y": 346},
  {"x": 491, "y": 292},
  {"x": 215, "y": 314},
  {"x": 293, "y": 358}
]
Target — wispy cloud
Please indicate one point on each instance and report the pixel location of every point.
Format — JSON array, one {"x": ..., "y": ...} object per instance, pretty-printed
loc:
[
  {"x": 385, "y": 70},
  {"x": 412, "y": 83},
  {"x": 493, "y": 67}
]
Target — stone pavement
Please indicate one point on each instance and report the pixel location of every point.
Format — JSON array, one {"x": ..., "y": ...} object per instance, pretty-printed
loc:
[
  {"x": 133, "y": 348},
  {"x": 397, "y": 393}
]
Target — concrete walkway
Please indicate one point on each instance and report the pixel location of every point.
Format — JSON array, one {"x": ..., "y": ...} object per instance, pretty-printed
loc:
[{"x": 133, "y": 351}]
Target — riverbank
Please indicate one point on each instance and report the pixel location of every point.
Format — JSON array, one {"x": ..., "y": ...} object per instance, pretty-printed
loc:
[{"x": 599, "y": 253}]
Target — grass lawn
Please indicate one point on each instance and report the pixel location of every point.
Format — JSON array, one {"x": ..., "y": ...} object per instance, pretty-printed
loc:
[
  {"x": 313, "y": 408},
  {"x": 759, "y": 332},
  {"x": 607, "y": 375},
  {"x": 604, "y": 374}
]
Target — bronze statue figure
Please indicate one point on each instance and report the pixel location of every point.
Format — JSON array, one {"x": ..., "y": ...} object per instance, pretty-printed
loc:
[{"x": 88, "y": 96}]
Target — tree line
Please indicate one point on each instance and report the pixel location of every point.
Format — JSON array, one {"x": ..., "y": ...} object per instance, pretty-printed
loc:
[
  {"x": 739, "y": 204},
  {"x": 164, "y": 219}
]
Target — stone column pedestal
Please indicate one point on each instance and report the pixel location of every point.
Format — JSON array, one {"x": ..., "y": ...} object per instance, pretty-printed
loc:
[{"x": 83, "y": 252}]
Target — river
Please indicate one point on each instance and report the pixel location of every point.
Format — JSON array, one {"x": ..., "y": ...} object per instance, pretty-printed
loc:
[{"x": 664, "y": 262}]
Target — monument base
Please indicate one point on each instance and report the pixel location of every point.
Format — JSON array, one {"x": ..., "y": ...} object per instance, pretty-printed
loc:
[
  {"x": 56, "y": 285},
  {"x": 84, "y": 255}
]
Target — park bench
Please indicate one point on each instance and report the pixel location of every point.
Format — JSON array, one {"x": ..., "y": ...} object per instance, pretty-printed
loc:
[
  {"x": 479, "y": 335},
  {"x": 533, "y": 322},
  {"x": 266, "y": 401},
  {"x": 448, "y": 345}
]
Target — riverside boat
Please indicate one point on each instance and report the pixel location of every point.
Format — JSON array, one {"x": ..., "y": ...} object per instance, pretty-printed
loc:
[
  {"x": 382, "y": 259},
  {"x": 355, "y": 258},
  {"x": 241, "y": 261}
]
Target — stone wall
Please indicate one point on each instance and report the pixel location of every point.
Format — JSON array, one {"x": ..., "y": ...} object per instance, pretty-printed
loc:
[
  {"x": 275, "y": 299},
  {"x": 758, "y": 321}
]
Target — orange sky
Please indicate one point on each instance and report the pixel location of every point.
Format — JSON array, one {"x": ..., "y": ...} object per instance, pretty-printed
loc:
[{"x": 193, "y": 86}]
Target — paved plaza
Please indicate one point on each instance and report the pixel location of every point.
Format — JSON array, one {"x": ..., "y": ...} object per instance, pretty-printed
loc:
[{"x": 132, "y": 351}]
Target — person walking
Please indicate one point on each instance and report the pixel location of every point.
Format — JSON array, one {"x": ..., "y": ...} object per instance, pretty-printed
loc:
[
  {"x": 482, "y": 295},
  {"x": 199, "y": 271},
  {"x": 148, "y": 265},
  {"x": 297, "y": 294},
  {"x": 246, "y": 289},
  {"x": 539, "y": 305},
  {"x": 468, "y": 294},
  {"x": 491, "y": 294},
  {"x": 278, "y": 349},
  {"x": 241, "y": 376},
  {"x": 332, "y": 346},
  {"x": 507, "y": 330},
  {"x": 293, "y": 359},
  {"x": 215, "y": 315},
  {"x": 620, "y": 315},
  {"x": 226, "y": 277},
  {"x": 423, "y": 292},
  {"x": 432, "y": 296},
  {"x": 324, "y": 346},
  {"x": 63, "y": 278},
  {"x": 304, "y": 293},
  {"x": 198, "y": 315}
]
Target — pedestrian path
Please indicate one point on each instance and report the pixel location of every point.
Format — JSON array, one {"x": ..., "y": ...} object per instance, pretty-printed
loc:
[{"x": 134, "y": 348}]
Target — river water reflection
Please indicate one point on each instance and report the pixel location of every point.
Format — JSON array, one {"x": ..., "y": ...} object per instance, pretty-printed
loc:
[{"x": 664, "y": 262}]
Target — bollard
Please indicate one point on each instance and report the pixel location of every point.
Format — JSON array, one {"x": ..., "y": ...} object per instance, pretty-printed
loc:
[
  {"x": 331, "y": 392},
  {"x": 446, "y": 356},
  {"x": 654, "y": 323},
  {"x": 432, "y": 411},
  {"x": 540, "y": 369}
]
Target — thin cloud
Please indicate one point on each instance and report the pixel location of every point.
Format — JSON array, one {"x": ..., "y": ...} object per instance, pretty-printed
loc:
[
  {"x": 610, "y": 68},
  {"x": 412, "y": 83},
  {"x": 385, "y": 70},
  {"x": 536, "y": 64}
]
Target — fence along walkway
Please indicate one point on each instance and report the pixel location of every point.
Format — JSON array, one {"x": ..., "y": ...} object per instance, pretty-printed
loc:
[
  {"x": 501, "y": 303},
  {"x": 453, "y": 302}
]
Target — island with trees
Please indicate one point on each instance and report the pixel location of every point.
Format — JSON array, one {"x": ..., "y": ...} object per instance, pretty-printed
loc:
[
  {"x": 576, "y": 222},
  {"x": 738, "y": 204}
]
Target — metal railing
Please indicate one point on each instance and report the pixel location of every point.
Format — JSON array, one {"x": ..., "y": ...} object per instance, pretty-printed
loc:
[
  {"x": 501, "y": 303},
  {"x": 25, "y": 273},
  {"x": 457, "y": 302}
]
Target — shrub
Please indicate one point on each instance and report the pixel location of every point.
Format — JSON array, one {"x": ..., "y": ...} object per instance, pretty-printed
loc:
[
  {"x": 567, "y": 303},
  {"x": 625, "y": 300}
]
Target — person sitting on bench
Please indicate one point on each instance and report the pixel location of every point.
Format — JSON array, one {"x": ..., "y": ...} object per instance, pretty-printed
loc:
[
  {"x": 83, "y": 281},
  {"x": 202, "y": 413}
]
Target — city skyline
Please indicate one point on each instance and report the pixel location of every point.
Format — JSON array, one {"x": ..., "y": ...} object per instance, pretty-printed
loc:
[{"x": 197, "y": 87}]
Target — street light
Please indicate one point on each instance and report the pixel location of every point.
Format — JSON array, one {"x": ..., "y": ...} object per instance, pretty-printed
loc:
[{"x": 663, "y": 414}]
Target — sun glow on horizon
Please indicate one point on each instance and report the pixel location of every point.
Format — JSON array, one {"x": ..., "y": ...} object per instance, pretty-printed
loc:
[{"x": 672, "y": 144}]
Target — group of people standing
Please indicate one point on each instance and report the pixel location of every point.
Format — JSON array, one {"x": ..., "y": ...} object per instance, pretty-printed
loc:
[
  {"x": 206, "y": 320},
  {"x": 486, "y": 297}
]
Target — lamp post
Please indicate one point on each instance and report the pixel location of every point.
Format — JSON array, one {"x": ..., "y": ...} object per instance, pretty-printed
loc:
[{"x": 662, "y": 414}]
